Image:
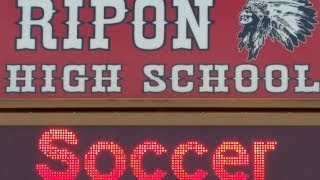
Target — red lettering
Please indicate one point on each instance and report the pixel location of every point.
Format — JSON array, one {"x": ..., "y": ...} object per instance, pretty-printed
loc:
[
  {"x": 227, "y": 154},
  {"x": 136, "y": 160},
  {"x": 220, "y": 161},
  {"x": 177, "y": 160},
  {"x": 260, "y": 149},
  {"x": 63, "y": 155},
  {"x": 91, "y": 158}
]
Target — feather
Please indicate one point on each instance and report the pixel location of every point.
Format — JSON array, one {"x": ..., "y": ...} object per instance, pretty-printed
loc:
[
  {"x": 307, "y": 24},
  {"x": 301, "y": 37},
  {"x": 287, "y": 21}
]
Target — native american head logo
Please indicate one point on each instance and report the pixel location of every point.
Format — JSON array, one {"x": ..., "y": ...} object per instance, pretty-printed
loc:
[{"x": 287, "y": 21}]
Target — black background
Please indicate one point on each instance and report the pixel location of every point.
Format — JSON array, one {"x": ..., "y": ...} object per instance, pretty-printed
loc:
[{"x": 297, "y": 156}]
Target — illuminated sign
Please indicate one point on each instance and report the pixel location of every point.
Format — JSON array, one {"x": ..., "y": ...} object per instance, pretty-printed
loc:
[
  {"x": 150, "y": 152},
  {"x": 117, "y": 49}
]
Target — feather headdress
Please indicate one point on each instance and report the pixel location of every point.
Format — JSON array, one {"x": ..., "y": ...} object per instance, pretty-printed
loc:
[{"x": 287, "y": 21}]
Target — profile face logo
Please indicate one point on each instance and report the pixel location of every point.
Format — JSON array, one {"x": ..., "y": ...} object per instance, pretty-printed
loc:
[{"x": 287, "y": 21}]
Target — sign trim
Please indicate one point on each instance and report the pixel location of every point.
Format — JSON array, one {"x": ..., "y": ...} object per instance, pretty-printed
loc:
[
  {"x": 161, "y": 119},
  {"x": 159, "y": 103}
]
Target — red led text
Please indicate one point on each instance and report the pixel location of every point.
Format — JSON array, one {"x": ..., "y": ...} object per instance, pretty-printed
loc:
[{"x": 227, "y": 154}]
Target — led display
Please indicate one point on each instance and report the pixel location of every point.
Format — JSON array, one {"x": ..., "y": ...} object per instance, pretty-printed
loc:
[{"x": 163, "y": 152}]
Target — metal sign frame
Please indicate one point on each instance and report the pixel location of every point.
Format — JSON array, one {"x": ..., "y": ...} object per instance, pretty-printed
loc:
[
  {"x": 174, "y": 118},
  {"x": 159, "y": 103}
]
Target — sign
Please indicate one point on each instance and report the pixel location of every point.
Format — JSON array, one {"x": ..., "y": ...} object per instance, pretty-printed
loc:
[
  {"x": 177, "y": 49},
  {"x": 150, "y": 152}
]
